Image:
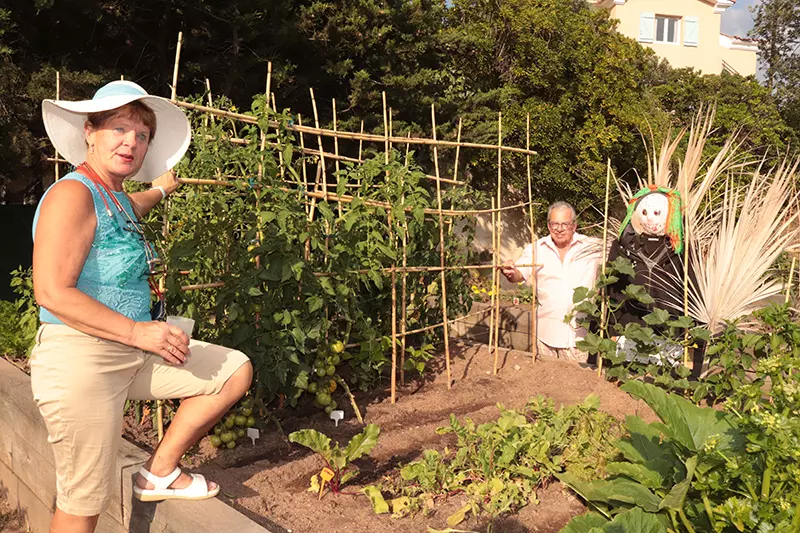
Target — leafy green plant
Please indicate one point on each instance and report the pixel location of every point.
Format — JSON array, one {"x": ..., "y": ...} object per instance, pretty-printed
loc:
[
  {"x": 300, "y": 274},
  {"x": 338, "y": 460},
  {"x": 661, "y": 328},
  {"x": 19, "y": 320},
  {"x": 700, "y": 469},
  {"x": 500, "y": 465},
  {"x": 417, "y": 358}
]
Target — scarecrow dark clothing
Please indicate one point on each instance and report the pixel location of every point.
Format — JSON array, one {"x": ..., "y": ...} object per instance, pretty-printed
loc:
[{"x": 659, "y": 270}]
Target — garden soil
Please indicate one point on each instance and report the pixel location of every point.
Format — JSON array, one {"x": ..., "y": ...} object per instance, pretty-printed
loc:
[
  {"x": 268, "y": 481},
  {"x": 10, "y": 520}
]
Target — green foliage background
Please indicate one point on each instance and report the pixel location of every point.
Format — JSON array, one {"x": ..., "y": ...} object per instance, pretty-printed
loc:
[{"x": 589, "y": 90}]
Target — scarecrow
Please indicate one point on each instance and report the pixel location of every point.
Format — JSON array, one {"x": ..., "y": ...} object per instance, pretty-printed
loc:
[{"x": 651, "y": 238}]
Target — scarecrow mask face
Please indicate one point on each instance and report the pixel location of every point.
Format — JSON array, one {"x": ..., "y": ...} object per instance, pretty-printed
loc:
[{"x": 650, "y": 215}]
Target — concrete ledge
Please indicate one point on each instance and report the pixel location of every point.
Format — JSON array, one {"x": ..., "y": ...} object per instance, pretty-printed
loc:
[{"x": 27, "y": 477}]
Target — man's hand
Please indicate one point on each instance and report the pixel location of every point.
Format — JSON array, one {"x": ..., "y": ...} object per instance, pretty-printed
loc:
[
  {"x": 510, "y": 271},
  {"x": 168, "y": 180}
]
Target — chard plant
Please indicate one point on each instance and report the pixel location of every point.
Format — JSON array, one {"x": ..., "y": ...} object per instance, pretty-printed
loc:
[
  {"x": 500, "y": 465},
  {"x": 338, "y": 460}
]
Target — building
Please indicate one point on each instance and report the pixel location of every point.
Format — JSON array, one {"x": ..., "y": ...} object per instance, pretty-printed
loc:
[{"x": 686, "y": 33}]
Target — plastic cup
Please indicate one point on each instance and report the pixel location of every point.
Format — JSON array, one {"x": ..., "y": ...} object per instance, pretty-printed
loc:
[{"x": 186, "y": 324}]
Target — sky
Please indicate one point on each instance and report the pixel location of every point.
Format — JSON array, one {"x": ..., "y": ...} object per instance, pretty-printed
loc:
[{"x": 738, "y": 20}]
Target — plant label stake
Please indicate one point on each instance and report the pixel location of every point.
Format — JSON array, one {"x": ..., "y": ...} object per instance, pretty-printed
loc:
[
  {"x": 336, "y": 416},
  {"x": 254, "y": 434},
  {"x": 326, "y": 475}
]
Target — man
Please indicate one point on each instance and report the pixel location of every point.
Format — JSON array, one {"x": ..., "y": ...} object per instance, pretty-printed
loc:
[{"x": 568, "y": 260}]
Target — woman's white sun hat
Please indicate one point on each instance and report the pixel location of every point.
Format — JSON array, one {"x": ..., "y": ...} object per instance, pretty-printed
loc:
[{"x": 64, "y": 121}]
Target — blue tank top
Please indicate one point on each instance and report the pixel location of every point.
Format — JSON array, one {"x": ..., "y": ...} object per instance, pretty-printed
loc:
[{"x": 115, "y": 272}]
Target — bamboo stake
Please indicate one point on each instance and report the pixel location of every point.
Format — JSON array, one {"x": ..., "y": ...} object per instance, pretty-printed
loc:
[
  {"x": 336, "y": 152},
  {"x": 394, "y": 264},
  {"x": 319, "y": 142},
  {"x": 165, "y": 219},
  {"x": 495, "y": 272},
  {"x": 305, "y": 173},
  {"x": 352, "y": 400},
  {"x": 356, "y": 136},
  {"x": 534, "y": 286},
  {"x": 499, "y": 233},
  {"x": 360, "y": 149},
  {"x": 58, "y": 97},
  {"x": 404, "y": 294},
  {"x": 686, "y": 297},
  {"x": 210, "y": 103},
  {"x": 458, "y": 152},
  {"x": 278, "y": 144},
  {"x": 791, "y": 276},
  {"x": 442, "y": 248},
  {"x": 408, "y": 146},
  {"x": 605, "y": 259}
]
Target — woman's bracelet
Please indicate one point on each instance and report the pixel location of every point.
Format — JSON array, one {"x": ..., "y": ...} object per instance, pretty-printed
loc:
[{"x": 163, "y": 191}]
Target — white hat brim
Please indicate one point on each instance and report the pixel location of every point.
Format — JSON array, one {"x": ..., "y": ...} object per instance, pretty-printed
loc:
[{"x": 64, "y": 122}]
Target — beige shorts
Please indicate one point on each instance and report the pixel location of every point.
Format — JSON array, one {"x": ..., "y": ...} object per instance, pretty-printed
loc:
[{"x": 81, "y": 383}]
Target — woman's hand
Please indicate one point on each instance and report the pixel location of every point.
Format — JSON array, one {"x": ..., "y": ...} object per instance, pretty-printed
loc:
[
  {"x": 168, "y": 180},
  {"x": 170, "y": 342}
]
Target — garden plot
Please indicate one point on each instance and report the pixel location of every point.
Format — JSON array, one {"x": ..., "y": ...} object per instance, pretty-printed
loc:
[{"x": 269, "y": 482}]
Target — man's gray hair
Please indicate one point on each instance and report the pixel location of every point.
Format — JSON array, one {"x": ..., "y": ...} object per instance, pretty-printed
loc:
[{"x": 562, "y": 205}]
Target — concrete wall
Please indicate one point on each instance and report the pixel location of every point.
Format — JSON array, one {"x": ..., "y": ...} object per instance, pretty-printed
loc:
[
  {"x": 27, "y": 477},
  {"x": 515, "y": 326}
]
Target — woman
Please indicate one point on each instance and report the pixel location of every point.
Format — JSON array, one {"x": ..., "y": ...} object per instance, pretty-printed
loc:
[{"x": 98, "y": 346}]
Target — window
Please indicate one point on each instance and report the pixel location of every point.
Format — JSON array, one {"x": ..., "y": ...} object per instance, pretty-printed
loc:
[{"x": 667, "y": 29}]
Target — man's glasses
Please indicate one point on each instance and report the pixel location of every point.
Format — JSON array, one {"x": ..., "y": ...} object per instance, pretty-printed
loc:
[{"x": 560, "y": 225}]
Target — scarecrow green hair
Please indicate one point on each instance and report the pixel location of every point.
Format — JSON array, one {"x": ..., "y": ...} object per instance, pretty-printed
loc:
[{"x": 674, "y": 229}]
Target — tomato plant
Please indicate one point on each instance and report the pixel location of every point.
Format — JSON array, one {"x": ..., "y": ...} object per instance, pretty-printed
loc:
[{"x": 307, "y": 298}]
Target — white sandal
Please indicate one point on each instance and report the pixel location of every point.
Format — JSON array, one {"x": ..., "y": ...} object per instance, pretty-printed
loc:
[{"x": 197, "y": 489}]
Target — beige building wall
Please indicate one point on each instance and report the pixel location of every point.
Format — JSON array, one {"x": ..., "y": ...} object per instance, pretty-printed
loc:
[{"x": 707, "y": 54}]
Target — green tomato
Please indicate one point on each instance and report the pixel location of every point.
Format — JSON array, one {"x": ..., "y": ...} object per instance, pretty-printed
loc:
[
  {"x": 320, "y": 372},
  {"x": 323, "y": 398},
  {"x": 312, "y": 387},
  {"x": 335, "y": 359},
  {"x": 328, "y": 409},
  {"x": 247, "y": 402},
  {"x": 251, "y": 421},
  {"x": 218, "y": 430},
  {"x": 240, "y": 420},
  {"x": 229, "y": 422},
  {"x": 337, "y": 347},
  {"x": 247, "y": 411},
  {"x": 227, "y": 437},
  {"x": 332, "y": 405},
  {"x": 216, "y": 442},
  {"x": 231, "y": 445},
  {"x": 331, "y": 370},
  {"x": 240, "y": 433}
]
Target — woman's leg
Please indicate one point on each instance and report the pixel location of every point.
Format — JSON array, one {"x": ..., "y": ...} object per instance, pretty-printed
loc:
[
  {"x": 194, "y": 418},
  {"x": 211, "y": 381},
  {"x": 70, "y": 523}
]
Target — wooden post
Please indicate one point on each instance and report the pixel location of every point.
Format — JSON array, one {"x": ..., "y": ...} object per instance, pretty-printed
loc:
[
  {"x": 534, "y": 322},
  {"x": 498, "y": 233},
  {"x": 791, "y": 277},
  {"x": 495, "y": 272},
  {"x": 305, "y": 173},
  {"x": 58, "y": 97},
  {"x": 604, "y": 256},
  {"x": 442, "y": 248},
  {"x": 319, "y": 142},
  {"x": 404, "y": 295}
]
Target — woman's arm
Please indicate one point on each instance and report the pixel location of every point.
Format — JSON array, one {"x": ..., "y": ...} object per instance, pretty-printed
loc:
[
  {"x": 64, "y": 235},
  {"x": 144, "y": 201}
]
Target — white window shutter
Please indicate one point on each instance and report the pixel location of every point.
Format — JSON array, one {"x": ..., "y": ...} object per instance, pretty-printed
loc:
[
  {"x": 691, "y": 31},
  {"x": 647, "y": 27}
]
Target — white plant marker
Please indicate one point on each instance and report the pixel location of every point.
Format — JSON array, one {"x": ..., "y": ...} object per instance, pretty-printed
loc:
[
  {"x": 254, "y": 434},
  {"x": 336, "y": 416}
]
